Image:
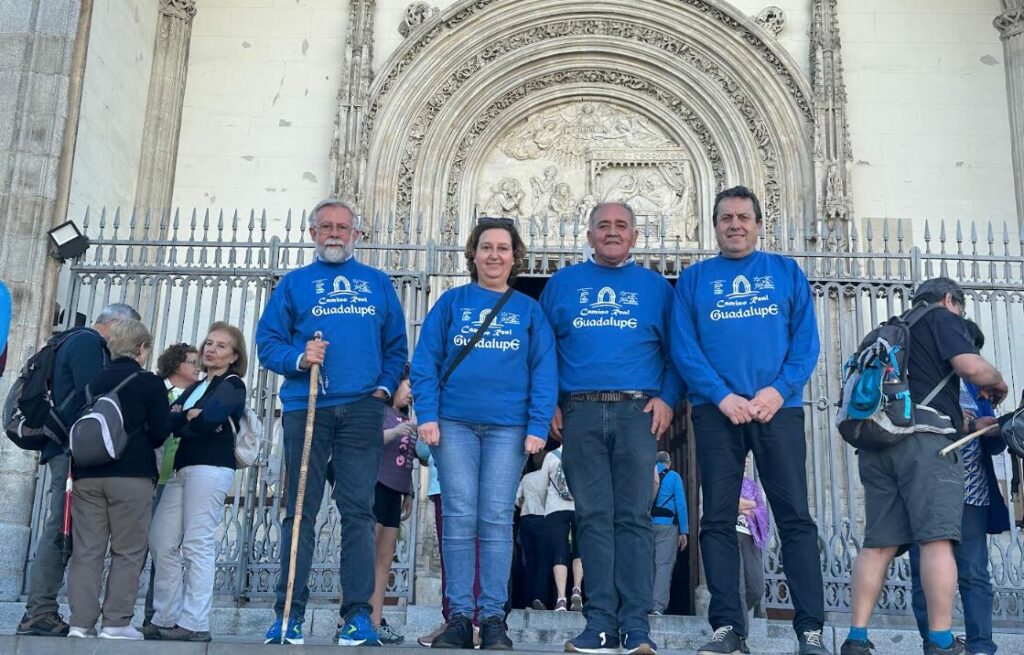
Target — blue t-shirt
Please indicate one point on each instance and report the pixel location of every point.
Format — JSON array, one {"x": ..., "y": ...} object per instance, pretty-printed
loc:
[
  {"x": 612, "y": 329},
  {"x": 357, "y": 309},
  {"x": 510, "y": 377},
  {"x": 740, "y": 325}
]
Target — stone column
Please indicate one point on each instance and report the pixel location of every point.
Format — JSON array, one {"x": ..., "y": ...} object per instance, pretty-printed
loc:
[
  {"x": 44, "y": 45},
  {"x": 162, "y": 128},
  {"x": 1010, "y": 24}
]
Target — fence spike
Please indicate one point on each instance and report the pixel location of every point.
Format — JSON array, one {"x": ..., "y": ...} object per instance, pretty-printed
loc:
[
  {"x": 942, "y": 235},
  {"x": 133, "y": 221},
  {"x": 263, "y": 225},
  {"x": 193, "y": 223},
  {"x": 206, "y": 224},
  {"x": 116, "y": 223},
  {"x": 85, "y": 221},
  {"x": 419, "y": 226},
  {"x": 288, "y": 227},
  {"x": 974, "y": 234},
  {"x": 251, "y": 227},
  {"x": 234, "y": 225},
  {"x": 302, "y": 226},
  {"x": 959, "y": 233},
  {"x": 869, "y": 237}
]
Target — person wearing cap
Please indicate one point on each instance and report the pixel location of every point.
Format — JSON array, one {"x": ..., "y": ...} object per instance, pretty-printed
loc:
[
  {"x": 618, "y": 389},
  {"x": 361, "y": 357}
]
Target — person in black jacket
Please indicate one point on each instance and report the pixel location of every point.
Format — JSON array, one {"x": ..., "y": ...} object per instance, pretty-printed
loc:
[
  {"x": 113, "y": 502},
  {"x": 184, "y": 531},
  {"x": 77, "y": 362}
]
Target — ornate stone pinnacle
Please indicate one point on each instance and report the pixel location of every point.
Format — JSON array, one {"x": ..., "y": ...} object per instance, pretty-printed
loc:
[{"x": 183, "y": 9}]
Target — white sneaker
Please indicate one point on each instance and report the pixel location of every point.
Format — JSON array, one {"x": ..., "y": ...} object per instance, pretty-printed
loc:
[
  {"x": 75, "y": 632},
  {"x": 124, "y": 632}
]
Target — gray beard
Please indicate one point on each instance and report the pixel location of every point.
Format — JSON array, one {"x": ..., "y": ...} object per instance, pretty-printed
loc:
[{"x": 332, "y": 254}]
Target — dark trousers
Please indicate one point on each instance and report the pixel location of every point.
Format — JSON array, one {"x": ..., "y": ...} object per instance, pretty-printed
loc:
[
  {"x": 780, "y": 452},
  {"x": 52, "y": 553},
  {"x": 349, "y": 437},
  {"x": 609, "y": 457},
  {"x": 533, "y": 535},
  {"x": 971, "y": 555}
]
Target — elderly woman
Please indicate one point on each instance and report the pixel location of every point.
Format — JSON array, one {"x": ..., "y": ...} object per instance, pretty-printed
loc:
[
  {"x": 112, "y": 503},
  {"x": 184, "y": 532},
  {"x": 482, "y": 415}
]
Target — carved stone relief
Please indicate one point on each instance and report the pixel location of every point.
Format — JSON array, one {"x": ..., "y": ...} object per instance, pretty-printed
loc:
[
  {"x": 558, "y": 163},
  {"x": 183, "y": 9},
  {"x": 415, "y": 15},
  {"x": 772, "y": 19}
]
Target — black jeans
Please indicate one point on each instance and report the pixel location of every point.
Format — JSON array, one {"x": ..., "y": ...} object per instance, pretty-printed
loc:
[
  {"x": 533, "y": 536},
  {"x": 780, "y": 452},
  {"x": 608, "y": 455},
  {"x": 348, "y": 436}
]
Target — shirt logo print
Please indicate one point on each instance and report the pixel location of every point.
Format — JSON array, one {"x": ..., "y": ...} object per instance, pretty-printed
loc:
[{"x": 341, "y": 296}]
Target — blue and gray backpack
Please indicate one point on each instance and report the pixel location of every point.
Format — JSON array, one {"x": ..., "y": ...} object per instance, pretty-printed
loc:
[{"x": 876, "y": 411}]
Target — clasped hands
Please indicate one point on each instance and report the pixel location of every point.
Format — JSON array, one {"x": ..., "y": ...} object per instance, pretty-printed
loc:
[{"x": 761, "y": 408}]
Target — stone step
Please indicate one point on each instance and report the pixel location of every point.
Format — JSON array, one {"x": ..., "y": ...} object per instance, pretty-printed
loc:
[{"x": 236, "y": 630}]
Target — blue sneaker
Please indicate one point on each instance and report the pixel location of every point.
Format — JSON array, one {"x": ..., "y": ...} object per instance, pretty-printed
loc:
[
  {"x": 293, "y": 636},
  {"x": 638, "y": 642},
  {"x": 358, "y": 631},
  {"x": 593, "y": 641}
]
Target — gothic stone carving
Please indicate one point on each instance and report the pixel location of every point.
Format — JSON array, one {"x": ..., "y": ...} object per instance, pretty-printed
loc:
[
  {"x": 772, "y": 19},
  {"x": 1010, "y": 23},
  {"x": 416, "y": 14},
  {"x": 416, "y": 46},
  {"x": 183, "y": 9},
  {"x": 606, "y": 28},
  {"x": 594, "y": 77}
]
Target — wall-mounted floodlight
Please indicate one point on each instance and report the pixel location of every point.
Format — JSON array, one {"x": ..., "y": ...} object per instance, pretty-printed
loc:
[{"x": 67, "y": 241}]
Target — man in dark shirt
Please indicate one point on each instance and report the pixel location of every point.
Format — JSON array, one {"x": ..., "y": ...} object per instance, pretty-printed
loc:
[
  {"x": 78, "y": 361},
  {"x": 911, "y": 493}
]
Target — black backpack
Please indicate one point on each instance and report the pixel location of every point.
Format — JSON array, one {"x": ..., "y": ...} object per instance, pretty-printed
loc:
[{"x": 31, "y": 420}]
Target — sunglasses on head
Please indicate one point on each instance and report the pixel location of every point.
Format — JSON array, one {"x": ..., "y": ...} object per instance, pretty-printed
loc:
[{"x": 496, "y": 220}]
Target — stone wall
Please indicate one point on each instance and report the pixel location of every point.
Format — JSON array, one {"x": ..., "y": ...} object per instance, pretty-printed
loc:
[
  {"x": 928, "y": 111},
  {"x": 260, "y": 104},
  {"x": 926, "y": 84},
  {"x": 37, "y": 70},
  {"x": 113, "y": 105}
]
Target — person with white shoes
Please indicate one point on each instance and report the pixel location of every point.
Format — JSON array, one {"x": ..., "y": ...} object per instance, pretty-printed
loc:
[{"x": 112, "y": 502}]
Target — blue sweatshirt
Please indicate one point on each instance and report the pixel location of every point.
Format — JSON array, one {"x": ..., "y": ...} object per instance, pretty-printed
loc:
[
  {"x": 357, "y": 309},
  {"x": 740, "y": 325},
  {"x": 510, "y": 377},
  {"x": 612, "y": 328},
  {"x": 672, "y": 497}
]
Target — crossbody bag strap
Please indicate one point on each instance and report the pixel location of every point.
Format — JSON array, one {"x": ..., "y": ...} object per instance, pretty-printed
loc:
[
  {"x": 476, "y": 337},
  {"x": 938, "y": 387}
]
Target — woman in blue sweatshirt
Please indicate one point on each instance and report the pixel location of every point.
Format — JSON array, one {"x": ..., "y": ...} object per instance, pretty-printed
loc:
[{"x": 482, "y": 422}]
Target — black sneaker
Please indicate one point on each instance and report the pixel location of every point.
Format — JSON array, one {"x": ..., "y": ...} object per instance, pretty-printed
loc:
[
  {"x": 50, "y": 624},
  {"x": 151, "y": 631},
  {"x": 931, "y": 648},
  {"x": 178, "y": 633},
  {"x": 457, "y": 634},
  {"x": 811, "y": 643},
  {"x": 857, "y": 647},
  {"x": 725, "y": 641},
  {"x": 493, "y": 634}
]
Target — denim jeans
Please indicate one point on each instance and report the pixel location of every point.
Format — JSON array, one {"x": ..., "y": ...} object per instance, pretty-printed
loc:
[
  {"x": 780, "y": 452},
  {"x": 478, "y": 466},
  {"x": 608, "y": 454},
  {"x": 349, "y": 437},
  {"x": 973, "y": 579},
  {"x": 52, "y": 554}
]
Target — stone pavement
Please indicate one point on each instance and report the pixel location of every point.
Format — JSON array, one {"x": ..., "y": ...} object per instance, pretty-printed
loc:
[{"x": 239, "y": 630}]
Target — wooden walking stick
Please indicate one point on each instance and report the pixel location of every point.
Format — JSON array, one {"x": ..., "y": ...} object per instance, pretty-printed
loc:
[
  {"x": 974, "y": 435},
  {"x": 300, "y": 493}
]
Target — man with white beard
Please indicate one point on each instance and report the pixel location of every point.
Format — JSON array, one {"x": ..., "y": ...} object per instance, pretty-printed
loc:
[{"x": 356, "y": 308}]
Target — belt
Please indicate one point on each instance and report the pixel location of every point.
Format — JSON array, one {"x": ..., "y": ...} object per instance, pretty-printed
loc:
[{"x": 608, "y": 396}]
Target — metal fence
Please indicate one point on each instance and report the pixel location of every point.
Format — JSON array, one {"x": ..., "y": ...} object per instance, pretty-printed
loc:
[{"x": 204, "y": 268}]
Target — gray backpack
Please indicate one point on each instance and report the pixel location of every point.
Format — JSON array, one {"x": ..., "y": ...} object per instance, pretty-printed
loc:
[{"x": 98, "y": 436}]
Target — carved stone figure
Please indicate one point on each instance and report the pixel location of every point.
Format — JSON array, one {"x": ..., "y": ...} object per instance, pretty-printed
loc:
[
  {"x": 565, "y": 132},
  {"x": 772, "y": 19},
  {"x": 506, "y": 199},
  {"x": 543, "y": 187},
  {"x": 416, "y": 14}
]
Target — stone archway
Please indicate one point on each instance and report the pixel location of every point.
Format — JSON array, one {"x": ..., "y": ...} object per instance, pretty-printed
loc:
[{"x": 688, "y": 95}]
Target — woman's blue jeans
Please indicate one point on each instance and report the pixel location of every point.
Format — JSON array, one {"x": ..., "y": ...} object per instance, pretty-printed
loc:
[{"x": 479, "y": 467}]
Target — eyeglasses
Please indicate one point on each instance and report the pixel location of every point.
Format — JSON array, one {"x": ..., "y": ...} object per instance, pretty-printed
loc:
[
  {"x": 496, "y": 220},
  {"x": 343, "y": 230},
  {"x": 193, "y": 362}
]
